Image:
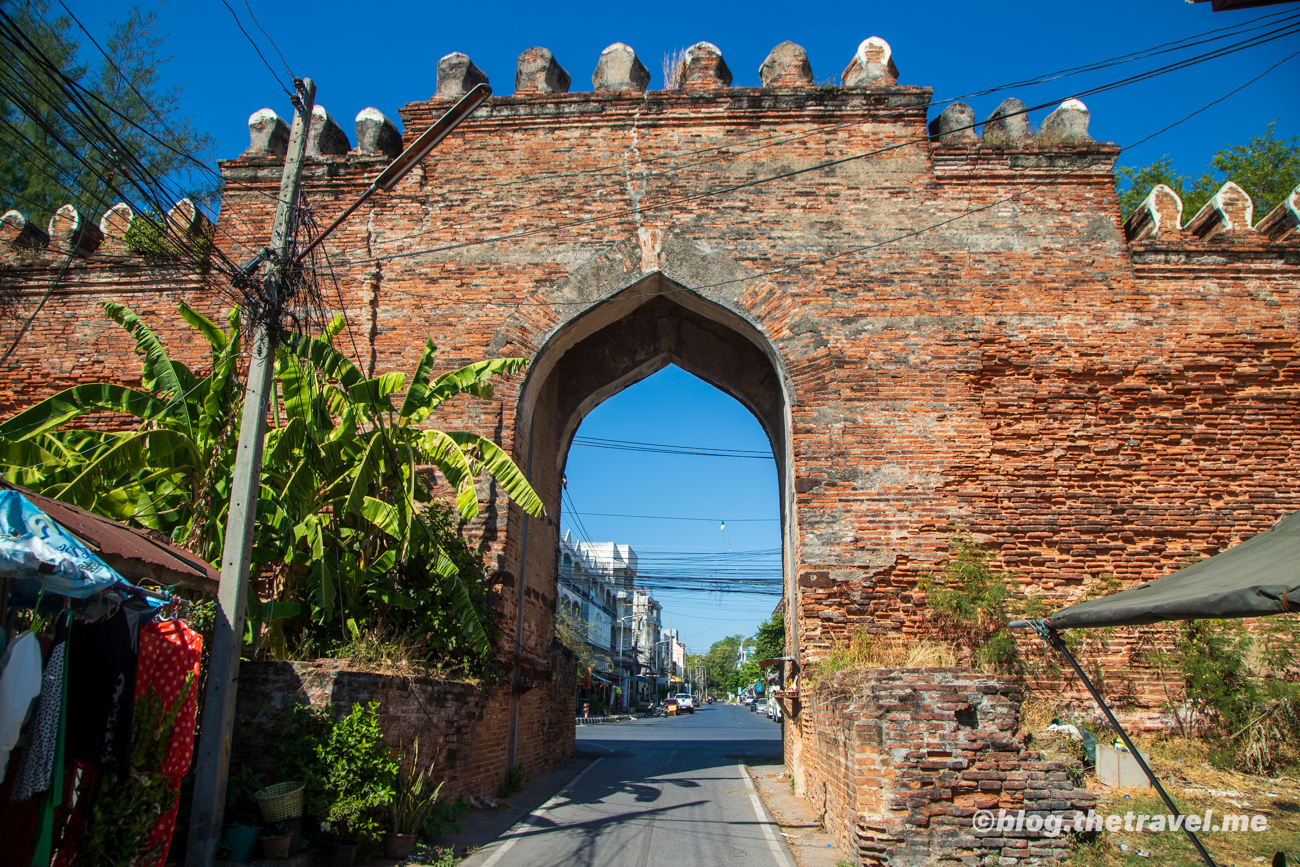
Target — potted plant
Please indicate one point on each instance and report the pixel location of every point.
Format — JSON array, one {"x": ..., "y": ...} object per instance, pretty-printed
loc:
[
  {"x": 414, "y": 799},
  {"x": 242, "y": 829},
  {"x": 348, "y": 775},
  {"x": 275, "y": 840}
]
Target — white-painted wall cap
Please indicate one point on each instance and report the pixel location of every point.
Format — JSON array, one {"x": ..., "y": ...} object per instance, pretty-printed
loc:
[
  {"x": 121, "y": 209},
  {"x": 454, "y": 54},
  {"x": 1149, "y": 203},
  {"x": 617, "y": 46},
  {"x": 262, "y": 114},
  {"x": 1075, "y": 105},
  {"x": 702, "y": 46},
  {"x": 865, "y": 49},
  {"x": 371, "y": 114},
  {"x": 1232, "y": 189}
]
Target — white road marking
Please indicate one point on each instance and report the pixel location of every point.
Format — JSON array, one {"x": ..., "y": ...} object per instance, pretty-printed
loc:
[
  {"x": 513, "y": 835},
  {"x": 777, "y": 851}
]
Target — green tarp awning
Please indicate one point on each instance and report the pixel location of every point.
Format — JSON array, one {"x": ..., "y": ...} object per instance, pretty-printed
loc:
[{"x": 1261, "y": 576}]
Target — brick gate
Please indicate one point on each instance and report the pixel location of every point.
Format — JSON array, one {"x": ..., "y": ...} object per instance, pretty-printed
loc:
[{"x": 936, "y": 330}]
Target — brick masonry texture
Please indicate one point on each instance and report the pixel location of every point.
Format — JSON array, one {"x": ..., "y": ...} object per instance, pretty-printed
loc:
[
  {"x": 898, "y": 761},
  {"x": 934, "y": 336},
  {"x": 461, "y": 725}
]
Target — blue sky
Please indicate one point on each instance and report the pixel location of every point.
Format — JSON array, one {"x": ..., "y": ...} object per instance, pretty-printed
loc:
[
  {"x": 676, "y": 408},
  {"x": 389, "y": 57}
]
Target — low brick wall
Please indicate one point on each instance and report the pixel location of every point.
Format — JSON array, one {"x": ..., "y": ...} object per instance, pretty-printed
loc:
[
  {"x": 465, "y": 724},
  {"x": 899, "y": 761}
]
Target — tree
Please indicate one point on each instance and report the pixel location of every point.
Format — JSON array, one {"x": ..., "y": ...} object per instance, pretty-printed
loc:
[
  {"x": 349, "y": 537},
  {"x": 720, "y": 664},
  {"x": 571, "y": 633},
  {"x": 1267, "y": 168},
  {"x": 97, "y": 132},
  {"x": 770, "y": 638}
]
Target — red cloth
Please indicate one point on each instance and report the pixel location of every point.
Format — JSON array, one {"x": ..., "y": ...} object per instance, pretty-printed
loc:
[
  {"x": 17, "y": 822},
  {"x": 169, "y": 651}
]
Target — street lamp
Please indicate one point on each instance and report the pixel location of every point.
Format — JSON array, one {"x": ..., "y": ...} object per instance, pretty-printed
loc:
[{"x": 620, "y": 651}]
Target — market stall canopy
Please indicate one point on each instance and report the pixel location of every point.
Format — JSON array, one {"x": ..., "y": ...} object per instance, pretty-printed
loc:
[
  {"x": 133, "y": 554},
  {"x": 1259, "y": 577},
  {"x": 34, "y": 548}
]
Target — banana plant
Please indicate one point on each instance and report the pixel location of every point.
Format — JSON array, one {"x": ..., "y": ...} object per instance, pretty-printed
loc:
[
  {"x": 361, "y": 473},
  {"x": 349, "y": 531},
  {"x": 166, "y": 466}
]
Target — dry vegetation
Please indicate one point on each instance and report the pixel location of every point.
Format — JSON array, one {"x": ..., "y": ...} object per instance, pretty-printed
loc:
[
  {"x": 864, "y": 651},
  {"x": 1183, "y": 765},
  {"x": 673, "y": 68}
]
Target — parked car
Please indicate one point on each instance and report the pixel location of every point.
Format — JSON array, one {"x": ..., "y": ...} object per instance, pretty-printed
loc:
[{"x": 685, "y": 702}]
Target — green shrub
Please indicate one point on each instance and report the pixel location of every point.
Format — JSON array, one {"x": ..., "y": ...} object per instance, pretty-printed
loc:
[
  {"x": 1240, "y": 689},
  {"x": 345, "y": 766},
  {"x": 148, "y": 236},
  {"x": 972, "y": 603}
]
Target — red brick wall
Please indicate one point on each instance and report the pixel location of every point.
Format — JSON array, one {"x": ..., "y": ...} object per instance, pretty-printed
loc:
[
  {"x": 898, "y": 762},
  {"x": 962, "y": 335},
  {"x": 462, "y": 724}
]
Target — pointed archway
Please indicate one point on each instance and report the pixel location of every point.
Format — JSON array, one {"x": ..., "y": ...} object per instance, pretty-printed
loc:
[{"x": 592, "y": 351}]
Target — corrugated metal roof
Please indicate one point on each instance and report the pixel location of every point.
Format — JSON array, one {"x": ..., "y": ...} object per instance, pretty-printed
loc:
[{"x": 133, "y": 553}]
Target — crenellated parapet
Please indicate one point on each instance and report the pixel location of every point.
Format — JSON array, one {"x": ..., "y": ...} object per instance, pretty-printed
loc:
[
  {"x": 120, "y": 237},
  {"x": 1227, "y": 219}
]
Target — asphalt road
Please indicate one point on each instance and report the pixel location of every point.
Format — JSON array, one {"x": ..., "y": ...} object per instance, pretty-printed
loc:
[{"x": 666, "y": 792}]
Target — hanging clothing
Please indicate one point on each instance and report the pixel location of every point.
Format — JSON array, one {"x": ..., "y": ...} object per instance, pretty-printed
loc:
[
  {"x": 101, "y": 692},
  {"x": 37, "y": 765},
  {"x": 17, "y": 824},
  {"x": 50, "y": 801},
  {"x": 170, "y": 654},
  {"x": 20, "y": 684}
]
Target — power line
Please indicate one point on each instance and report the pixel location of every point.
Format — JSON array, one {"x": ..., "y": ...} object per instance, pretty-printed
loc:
[
  {"x": 677, "y": 518},
  {"x": 1281, "y": 32},
  {"x": 661, "y": 448},
  {"x": 259, "y": 26},
  {"x": 274, "y": 75},
  {"x": 776, "y": 139},
  {"x": 573, "y": 512}
]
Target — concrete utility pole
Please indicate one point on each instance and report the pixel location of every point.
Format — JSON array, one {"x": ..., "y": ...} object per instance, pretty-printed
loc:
[{"x": 236, "y": 555}]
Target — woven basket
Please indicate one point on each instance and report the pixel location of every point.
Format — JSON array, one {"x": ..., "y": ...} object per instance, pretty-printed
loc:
[{"x": 281, "y": 801}]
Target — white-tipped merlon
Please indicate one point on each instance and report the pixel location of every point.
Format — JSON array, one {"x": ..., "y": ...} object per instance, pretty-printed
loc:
[
  {"x": 116, "y": 220},
  {"x": 262, "y": 115},
  {"x": 617, "y": 46},
  {"x": 1219, "y": 201},
  {"x": 873, "y": 49},
  {"x": 701, "y": 47},
  {"x": 453, "y": 55},
  {"x": 1150, "y": 203},
  {"x": 371, "y": 114},
  {"x": 1074, "y": 105}
]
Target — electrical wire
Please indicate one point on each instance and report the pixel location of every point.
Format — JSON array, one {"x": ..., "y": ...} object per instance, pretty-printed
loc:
[
  {"x": 1288, "y": 29},
  {"x": 678, "y": 518},
  {"x": 89, "y": 126},
  {"x": 189, "y": 157},
  {"x": 274, "y": 74},
  {"x": 295, "y": 79},
  {"x": 782, "y": 138},
  {"x": 660, "y": 448}
]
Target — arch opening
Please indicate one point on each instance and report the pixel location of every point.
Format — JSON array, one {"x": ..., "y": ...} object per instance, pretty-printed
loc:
[{"x": 612, "y": 345}]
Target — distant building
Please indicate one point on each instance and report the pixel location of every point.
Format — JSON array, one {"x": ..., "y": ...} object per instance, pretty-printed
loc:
[{"x": 621, "y": 623}]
